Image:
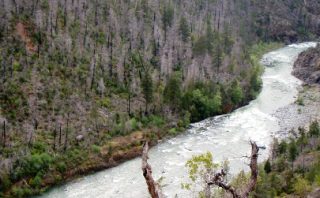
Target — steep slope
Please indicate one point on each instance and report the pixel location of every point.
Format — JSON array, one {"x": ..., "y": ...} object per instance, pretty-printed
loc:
[
  {"x": 77, "y": 74},
  {"x": 307, "y": 66}
]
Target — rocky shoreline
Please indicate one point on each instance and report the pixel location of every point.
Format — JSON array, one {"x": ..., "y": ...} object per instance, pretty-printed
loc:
[
  {"x": 306, "y": 108},
  {"x": 307, "y": 105},
  {"x": 302, "y": 112},
  {"x": 307, "y": 66}
]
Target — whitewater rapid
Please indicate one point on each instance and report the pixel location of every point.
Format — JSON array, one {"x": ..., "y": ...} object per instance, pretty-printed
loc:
[{"x": 227, "y": 137}]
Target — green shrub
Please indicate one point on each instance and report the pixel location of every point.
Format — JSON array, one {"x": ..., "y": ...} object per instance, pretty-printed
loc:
[
  {"x": 173, "y": 131},
  {"x": 35, "y": 163},
  {"x": 134, "y": 124},
  {"x": 300, "y": 101},
  {"x": 36, "y": 181},
  {"x": 105, "y": 102},
  {"x": 17, "y": 192},
  {"x": 39, "y": 147},
  {"x": 96, "y": 149},
  {"x": 301, "y": 187},
  {"x": 5, "y": 183},
  {"x": 61, "y": 167},
  {"x": 156, "y": 121}
]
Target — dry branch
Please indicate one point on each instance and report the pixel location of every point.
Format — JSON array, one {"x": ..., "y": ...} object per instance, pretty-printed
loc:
[{"x": 218, "y": 178}]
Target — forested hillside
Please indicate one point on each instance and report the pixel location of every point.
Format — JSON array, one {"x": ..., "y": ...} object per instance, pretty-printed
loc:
[{"x": 84, "y": 83}]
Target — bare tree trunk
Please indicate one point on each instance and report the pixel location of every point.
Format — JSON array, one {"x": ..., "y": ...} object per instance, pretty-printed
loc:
[
  {"x": 54, "y": 138},
  {"x": 60, "y": 131},
  {"x": 153, "y": 187},
  {"x": 65, "y": 15},
  {"x": 66, "y": 135},
  {"x": 4, "y": 134}
]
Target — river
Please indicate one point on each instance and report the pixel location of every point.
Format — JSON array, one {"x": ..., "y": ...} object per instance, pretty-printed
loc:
[{"x": 227, "y": 137}]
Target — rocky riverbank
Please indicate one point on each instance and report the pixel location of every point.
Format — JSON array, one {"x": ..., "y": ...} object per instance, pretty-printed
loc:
[
  {"x": 307, "y": 105},
  {"x": 307, "y": 66},
  {"x": 302, "y": 112}
]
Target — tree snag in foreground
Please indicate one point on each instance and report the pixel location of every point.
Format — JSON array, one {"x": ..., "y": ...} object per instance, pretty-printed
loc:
[
  {"x": 153, "y": 187},
  {"x": 218, "y": 178},
  {"x": 213, "y": 179}
]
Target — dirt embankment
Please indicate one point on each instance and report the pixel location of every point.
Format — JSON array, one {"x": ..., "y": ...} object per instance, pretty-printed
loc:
[
  {"x": 307, "y": 66},
  {"x": 24, "y": 34}
]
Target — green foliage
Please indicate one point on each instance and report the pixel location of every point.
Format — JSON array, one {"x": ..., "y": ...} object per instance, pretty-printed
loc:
[
  {"x": 267, "y": 166},
  {"x": 184, "y": 29},
  {"x": 283, "y": 147},
  {"x": 167, "y": 16},
  {"x": 199, "y": 165},
  {"x": 172, "y": 92},
  {"x": 13, "y": 101},
  {"x": 293, "y": 151},
  {"x": 147, "y": 88},
  {"x": 157, "y": 121},
  {"x": 39, "y": 147},
  {"x": 236, "y": 93},
  {"x": 96, "y": 149},
  {"x": 200, "y": 46},
  {"x": 202, "y": 101},
  {"x": 240, "y": 180},
  {"x": 105, "y": 102},
  {"x": 279, "y": 181},
  {"x": 134, "y": 124},
  {"x": 314, "y": 129},
  {"x": 300, "y": 101},
  {"x": 227, "y": 40},
  {"x": 118, "y": 129},
  {"x": 5, "y": 182},
  {"x": 61, "y": 167},
  {"x": 36, "y": 181},
  {"x": 44, "y": 4},
  {"x": 301, "y": 187},
  {"x": 255, "y": 81},
  {"x": 210, "y": 37},
  {"x": 173, "y": 131},
  {"x": 34, "y": 164},
  {"x": 17, "y": 192}
]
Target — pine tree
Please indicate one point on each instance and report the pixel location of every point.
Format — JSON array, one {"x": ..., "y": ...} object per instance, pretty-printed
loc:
[
  {"x": 172, "y": 91},
  {"x": 314, "y": 129},
  {"x": 293, "y": 151},
  {"x": 184, "y": 29},
  {"x": 147, "y": 89},
  {"x": 167, "y": 17},
  {"x": 267, "y": 167},
  {"x": 236, "y": 93},
  {"x": 209, "y": 38}
]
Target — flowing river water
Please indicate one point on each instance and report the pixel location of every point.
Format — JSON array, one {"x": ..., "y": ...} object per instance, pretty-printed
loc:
[{"x": 226, "y": 136}]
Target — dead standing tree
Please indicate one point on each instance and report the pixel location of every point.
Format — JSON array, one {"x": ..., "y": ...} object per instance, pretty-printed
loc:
[
  {"x": 153, "y": 187},
  {"x": 216, "y": 179}
]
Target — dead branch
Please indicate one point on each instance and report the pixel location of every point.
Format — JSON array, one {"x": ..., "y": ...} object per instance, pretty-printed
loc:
[
  {"x": 218, "y": 178},
  {"x": 153, "y": 187}
]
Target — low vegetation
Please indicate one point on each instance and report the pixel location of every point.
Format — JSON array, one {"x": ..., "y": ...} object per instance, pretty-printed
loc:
[{"x": 294, "y": 167}]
